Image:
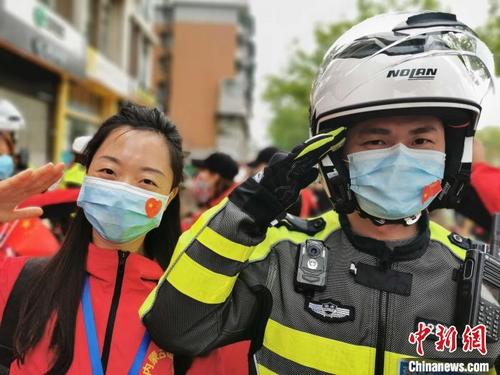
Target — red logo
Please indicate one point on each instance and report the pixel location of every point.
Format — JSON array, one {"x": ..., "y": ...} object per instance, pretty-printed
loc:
[
  {"x": 153, "y": 206},
  {"x": 475, "y": 339},
  {"x": 431, "y": 190},
  {"x": 447, "y": 338},
  {"x": 416, "y": 338}
]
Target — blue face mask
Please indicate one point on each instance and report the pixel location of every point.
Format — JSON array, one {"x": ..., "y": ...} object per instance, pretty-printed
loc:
[
  {"x": 396, "y": 182},
  {"x": 6, "y": 166},
  {"x": 120, "y": 212}
]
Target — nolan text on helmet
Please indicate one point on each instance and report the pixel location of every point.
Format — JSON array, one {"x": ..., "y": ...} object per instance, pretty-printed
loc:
[{"x": 413, "y": 74}]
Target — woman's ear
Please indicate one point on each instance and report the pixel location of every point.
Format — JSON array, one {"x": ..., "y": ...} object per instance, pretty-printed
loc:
[{"x": 172, "y": 195}]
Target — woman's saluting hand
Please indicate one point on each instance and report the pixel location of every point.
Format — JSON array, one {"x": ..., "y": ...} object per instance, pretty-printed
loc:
[{"x": 16, "y": 189}]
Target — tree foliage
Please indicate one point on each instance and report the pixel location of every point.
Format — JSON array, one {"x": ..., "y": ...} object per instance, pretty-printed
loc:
[
  {"x": 490, "y": 138},
  {"x": 490, "y": 32}
]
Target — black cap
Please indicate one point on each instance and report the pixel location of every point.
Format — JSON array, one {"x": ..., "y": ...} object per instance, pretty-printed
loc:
[
  {"x": 264, "y": 156},
  {"x": 219, "y": 163}
]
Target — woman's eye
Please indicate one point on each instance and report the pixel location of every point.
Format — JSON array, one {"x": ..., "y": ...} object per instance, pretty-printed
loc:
[
  {"x": 149, "y": 182},
  {"x": 107, "y": 171}
]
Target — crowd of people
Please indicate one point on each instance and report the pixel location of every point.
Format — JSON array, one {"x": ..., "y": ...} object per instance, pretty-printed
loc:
[{"x": 317, "y": 260}]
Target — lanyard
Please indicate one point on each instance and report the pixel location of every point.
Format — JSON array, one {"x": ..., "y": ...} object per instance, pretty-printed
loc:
[{"x": 93, "y": 345}]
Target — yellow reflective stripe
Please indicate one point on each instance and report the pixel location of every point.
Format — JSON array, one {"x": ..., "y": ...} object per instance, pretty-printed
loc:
[
  {"x": 184, "y": 241},
  {"x": 223, "y": 246},
  {"x": 440, "y": 234},
  {"x": 318, "y": 352},
  {"x": 327, "y": 137},
  {"x": 261, "y": 370},
  {"x": 187, "y": 237},
  {"x": 282, "y": 233},
  {"x": 199, "y": 283}
]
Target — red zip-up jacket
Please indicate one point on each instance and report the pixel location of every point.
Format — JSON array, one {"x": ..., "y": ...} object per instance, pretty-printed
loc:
[{"x": 133, "y": 277}]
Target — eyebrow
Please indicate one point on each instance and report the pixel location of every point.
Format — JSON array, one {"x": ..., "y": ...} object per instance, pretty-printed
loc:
[
  {"x": 423, "y": 129},
  {"x": 153, "y": 170},
  {"x": 368, "y": 131},
  {"x": 384, "y": 131},
  {"x": 145, "y": 169},
  {"x": 110, "y": 158}
]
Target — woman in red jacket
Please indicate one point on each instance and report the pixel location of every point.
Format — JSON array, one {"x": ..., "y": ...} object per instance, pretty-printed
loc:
[{"x": 80, "y": 314}]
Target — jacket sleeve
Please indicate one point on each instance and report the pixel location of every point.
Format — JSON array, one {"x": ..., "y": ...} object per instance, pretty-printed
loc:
[
  {"x": 208, "y": 297},
  {"x": 486, "y": 181}
]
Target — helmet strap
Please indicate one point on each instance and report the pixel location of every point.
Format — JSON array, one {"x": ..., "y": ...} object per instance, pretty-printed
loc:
[{"x": 407, "y": 221}]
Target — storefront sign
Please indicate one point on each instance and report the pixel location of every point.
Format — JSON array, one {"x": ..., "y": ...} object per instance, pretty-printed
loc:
[{"x": 33, "y": 28}]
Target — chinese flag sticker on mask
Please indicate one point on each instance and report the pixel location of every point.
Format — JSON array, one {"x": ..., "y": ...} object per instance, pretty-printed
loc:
[
  {"x": 153, "y": 207},
  {"x": 431, "y": 190}
]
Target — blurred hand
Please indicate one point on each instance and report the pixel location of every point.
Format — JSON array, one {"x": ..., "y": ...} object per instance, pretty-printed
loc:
[
  {"x": 16, "y": 189},
  {"x": 478, "y": 152}
]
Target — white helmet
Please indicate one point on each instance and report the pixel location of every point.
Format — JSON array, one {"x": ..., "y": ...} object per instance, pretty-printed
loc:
[
  {"x": 10, "y": 118},
  {"x": 404, "y": 63}
]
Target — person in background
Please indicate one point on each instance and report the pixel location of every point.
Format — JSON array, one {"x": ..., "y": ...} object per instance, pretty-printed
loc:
[
  {"x": 307, "y": 203},
  {"x": 7, "y": 164},
  {"x": 75, "y": 172},
  {"x": 213, "y": 181},
  {"x": 485, "y": 179},
  {"x": 262, "y": 160},
  {"x": 11, "y": 122},
  {"x": 25, "y": 236},
  {"x": 481, "y": 198}
]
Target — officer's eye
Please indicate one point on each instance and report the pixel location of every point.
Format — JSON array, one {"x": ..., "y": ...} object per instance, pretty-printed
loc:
[
  {"x": 374, "y": 142},
  {"x": 422, "y": 141}
]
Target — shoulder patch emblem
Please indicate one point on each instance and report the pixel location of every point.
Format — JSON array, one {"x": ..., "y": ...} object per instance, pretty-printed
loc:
[{"x": 329, "y": 310}]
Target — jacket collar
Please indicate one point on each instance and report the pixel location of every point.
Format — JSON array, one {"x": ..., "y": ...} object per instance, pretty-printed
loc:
[
  {"x": 103, "y": 264},
  {"x": 412, "y": 250}
]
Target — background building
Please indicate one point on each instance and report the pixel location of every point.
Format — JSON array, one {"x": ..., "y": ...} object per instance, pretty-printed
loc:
[
  {"x": 68, "y": 64},
  {"x": 204, "y": 69}
]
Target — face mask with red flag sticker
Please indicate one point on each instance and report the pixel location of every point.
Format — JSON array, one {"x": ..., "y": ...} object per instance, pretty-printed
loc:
[
  {"x": 396, "y": 182},
  {"x": 120, "y": 212}
]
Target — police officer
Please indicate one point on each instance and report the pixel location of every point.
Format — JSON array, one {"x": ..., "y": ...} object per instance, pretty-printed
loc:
[{"x": 393, "y": 114}]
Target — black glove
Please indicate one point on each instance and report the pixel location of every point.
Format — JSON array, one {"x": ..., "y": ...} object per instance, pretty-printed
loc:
[{"x": 271, "y": 192}]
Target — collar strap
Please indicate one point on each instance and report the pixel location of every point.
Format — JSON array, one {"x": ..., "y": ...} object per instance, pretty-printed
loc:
[{"x": 413, "y": 250}]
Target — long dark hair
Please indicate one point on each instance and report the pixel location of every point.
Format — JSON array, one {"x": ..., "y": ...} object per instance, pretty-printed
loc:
[{"x": 56, "y": 291}]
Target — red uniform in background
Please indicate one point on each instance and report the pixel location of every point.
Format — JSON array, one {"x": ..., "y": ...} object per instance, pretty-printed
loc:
[
  {"x": 30, "y": 237},
  {"x": 485, "y": 179},
  {"x": 26, "y": 237}
]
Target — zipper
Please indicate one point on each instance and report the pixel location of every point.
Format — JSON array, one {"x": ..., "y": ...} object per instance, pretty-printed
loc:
[
  {"x": 383, "y": 307},
  {"x": 122, "y": 257}
]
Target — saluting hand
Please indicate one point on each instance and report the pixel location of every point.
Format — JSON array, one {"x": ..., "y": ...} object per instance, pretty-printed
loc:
[
  {"x": 16, "y": 189},
  {"x": 268, "y": 194}
]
